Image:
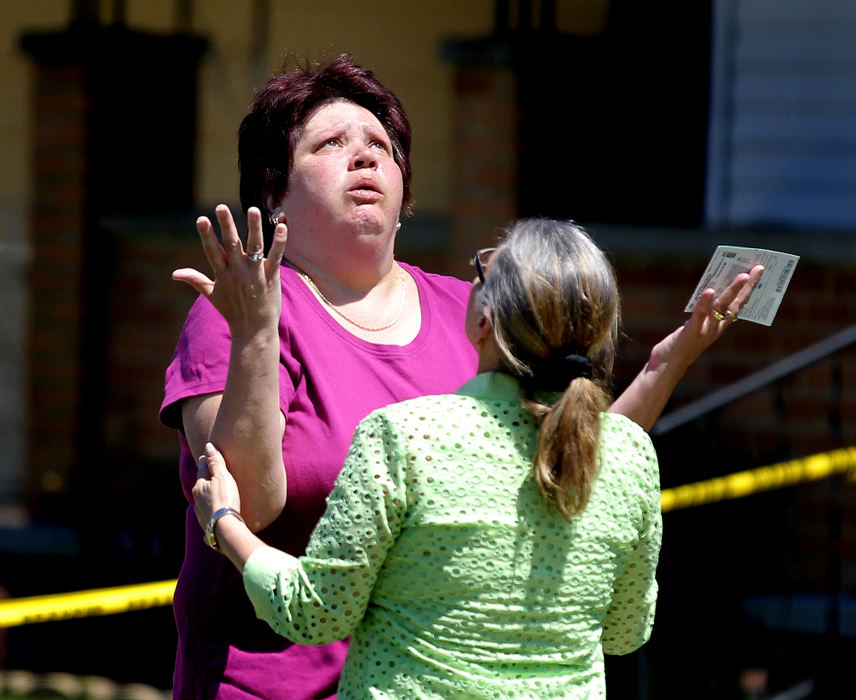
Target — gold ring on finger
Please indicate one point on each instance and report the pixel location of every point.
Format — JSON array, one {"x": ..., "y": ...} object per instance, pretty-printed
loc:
[{"x": 718, "y": 315}]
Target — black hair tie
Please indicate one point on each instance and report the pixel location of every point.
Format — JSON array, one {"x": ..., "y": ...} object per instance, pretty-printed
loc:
[
  {"x": 576, "y": 365},
  {"x": 555, "y": 373}
]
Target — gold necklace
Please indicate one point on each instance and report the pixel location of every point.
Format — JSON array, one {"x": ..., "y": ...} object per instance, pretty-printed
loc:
[{"x": 371, "y": 329}]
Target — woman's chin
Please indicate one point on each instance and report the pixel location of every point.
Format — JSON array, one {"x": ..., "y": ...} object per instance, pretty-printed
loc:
[{"x": 370, "y": 222}]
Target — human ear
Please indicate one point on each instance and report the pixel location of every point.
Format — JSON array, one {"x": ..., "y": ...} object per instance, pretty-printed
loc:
[
  {"x": 484, "y": 326},
  {"x": 276, "y": 212}
]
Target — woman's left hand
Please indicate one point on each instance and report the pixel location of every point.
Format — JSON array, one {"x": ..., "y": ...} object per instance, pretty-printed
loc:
[
  {"x": 646, "y": 396},
  {"x": 215, "y": 487},
  {"x": 711, "y": 316}
]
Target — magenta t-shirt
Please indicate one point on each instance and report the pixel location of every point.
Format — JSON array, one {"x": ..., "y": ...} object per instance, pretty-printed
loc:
[{"x": 329, "y": 380}]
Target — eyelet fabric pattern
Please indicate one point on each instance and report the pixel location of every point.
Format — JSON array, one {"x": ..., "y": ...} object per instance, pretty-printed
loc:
[{"x": 455, "y": 578}]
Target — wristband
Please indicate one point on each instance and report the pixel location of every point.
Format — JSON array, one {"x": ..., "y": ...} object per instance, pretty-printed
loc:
[{"x": 210, "y": 537}]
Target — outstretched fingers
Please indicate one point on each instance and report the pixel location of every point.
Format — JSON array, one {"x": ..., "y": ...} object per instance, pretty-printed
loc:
[
  {"x": 703, "y": 307},
  {"x": 277, "y": 248},
  {"x": 244, "y": 288},
  {"x": 231, "y": 241},
  {"x": 213, "y": 253},
  {"x": 745, "y": 290},
  {"x": 200, "y": 282},
  {"x": 255, "y": 235},
  {"x": 727, "y": 306}
]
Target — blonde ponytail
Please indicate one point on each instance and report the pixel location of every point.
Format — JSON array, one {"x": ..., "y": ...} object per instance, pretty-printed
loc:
[
  {"x": 555, "y": 309},
  {"x": 565, "y": 463}
]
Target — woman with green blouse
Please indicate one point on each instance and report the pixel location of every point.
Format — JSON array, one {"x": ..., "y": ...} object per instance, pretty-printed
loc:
[{"x": 492, "y": 543}]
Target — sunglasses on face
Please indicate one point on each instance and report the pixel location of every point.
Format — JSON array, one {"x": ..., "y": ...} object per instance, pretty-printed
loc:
[{"x": 481, "y": 260}]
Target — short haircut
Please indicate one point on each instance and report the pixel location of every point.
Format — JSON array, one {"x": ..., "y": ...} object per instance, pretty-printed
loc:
[{"x": 275, "y": 120}]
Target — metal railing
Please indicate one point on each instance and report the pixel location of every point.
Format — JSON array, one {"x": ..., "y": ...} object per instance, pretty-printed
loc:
[{"x": 731, "y": 393}]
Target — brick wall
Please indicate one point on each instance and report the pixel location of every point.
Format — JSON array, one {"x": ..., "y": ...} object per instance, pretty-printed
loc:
[
  {"x": 484, "y": 182},
  {"x": 147, "y": 310},
  {"x": 56, "y": 279},
  {"x": 88, "y": 373},
  {"x": 806, "y": 413}
]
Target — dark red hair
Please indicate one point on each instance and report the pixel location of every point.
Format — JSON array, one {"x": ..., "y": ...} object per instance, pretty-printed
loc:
[{"x": 270, "y": 130}]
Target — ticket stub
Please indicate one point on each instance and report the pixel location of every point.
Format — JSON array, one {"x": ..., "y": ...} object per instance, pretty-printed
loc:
[{"x": 729, "y": 261}]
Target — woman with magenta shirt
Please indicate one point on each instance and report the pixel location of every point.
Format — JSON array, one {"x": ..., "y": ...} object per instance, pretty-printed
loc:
[{"x": 325, "y": 153}]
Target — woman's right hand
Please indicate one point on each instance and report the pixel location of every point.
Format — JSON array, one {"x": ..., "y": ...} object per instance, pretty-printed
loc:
[
  {"x": 214, "y": 489},
  {"x": 246, "y": 288}
]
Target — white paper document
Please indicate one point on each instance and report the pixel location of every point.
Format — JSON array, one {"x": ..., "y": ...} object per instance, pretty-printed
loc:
[{"x": 729, "y": 261}]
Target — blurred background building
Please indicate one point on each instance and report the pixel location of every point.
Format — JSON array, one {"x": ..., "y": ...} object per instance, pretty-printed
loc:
[{"x": 665, "y": 127}]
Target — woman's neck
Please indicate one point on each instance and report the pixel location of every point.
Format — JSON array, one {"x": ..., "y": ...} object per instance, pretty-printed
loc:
[
  {"x": 345, "y": 268},
  {"x": 347, "y": 283},
  {"x": 388, "y": 313},
  {"x": 488, "y": 355}
]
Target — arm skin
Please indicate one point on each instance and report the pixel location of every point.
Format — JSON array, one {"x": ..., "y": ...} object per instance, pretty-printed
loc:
[
  {"x": 327, "y": 598},
  {"x": 245, "y": 421},
  {"x": 645, "y": 398},
  {"x": 215, "y": 488}
]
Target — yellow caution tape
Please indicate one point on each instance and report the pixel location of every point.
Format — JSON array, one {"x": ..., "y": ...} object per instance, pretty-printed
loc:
[
  {"x": 101, "y": 601},
  {"x": 761, "y": 479},
  {"x": 107, "y": 601}
]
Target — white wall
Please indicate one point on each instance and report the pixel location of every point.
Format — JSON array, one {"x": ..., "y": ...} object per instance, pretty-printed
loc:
[{"x": 783, "y": 114}]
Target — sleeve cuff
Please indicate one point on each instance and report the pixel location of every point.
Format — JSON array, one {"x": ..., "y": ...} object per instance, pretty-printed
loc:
[{"x": 263, "y": 571}]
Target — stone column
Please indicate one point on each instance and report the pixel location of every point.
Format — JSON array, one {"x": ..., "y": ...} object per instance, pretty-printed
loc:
[{"x": 485, "y": 146}]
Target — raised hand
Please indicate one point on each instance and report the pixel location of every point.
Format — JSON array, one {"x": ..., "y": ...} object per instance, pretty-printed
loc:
[
  {"x": 712, "y": 315},
  {"x": 246, "y": 287},
  {"x": 646, "y": 396}
]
